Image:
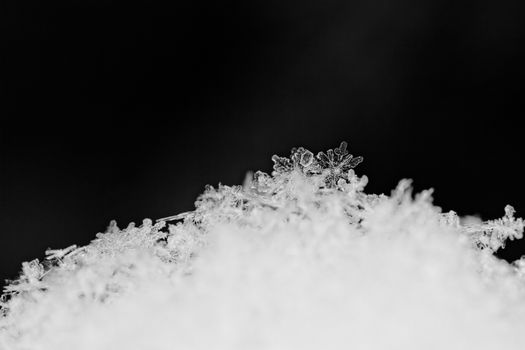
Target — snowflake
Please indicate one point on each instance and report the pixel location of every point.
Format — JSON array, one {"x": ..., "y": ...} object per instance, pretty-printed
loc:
[
  {"x": 336, "y": 164},
  {"x": 300, "y": 158},
  {"x": 493, "y": 234}
]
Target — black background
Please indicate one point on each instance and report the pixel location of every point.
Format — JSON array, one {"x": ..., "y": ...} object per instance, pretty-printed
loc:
[{"x": 125, "y": 110}]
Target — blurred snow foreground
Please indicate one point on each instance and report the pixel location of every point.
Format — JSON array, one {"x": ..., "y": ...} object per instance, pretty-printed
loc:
[{"x": 300, "y": 259}]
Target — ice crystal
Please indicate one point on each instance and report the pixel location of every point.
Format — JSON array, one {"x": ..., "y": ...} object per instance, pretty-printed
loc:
[
  {"x": 336, "y": 163},
  {"x": 332, "y": 165},
  {"x": 493, "y": 234},
  {"x": 300, "y": 159},
  {"x": 299, "y": 259}
]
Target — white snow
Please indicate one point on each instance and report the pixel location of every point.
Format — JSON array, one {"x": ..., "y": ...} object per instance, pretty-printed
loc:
[{"x": 302, "y": 259}]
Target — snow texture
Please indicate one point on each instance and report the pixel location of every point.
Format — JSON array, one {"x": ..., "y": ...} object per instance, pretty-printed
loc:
[{"x": 299, "y": 259}]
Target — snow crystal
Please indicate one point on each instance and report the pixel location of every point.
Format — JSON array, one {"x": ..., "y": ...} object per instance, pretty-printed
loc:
[{"x": 299, "y": 259}]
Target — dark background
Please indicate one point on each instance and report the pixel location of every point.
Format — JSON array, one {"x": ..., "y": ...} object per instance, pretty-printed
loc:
[{"x": 126, "y": 109}]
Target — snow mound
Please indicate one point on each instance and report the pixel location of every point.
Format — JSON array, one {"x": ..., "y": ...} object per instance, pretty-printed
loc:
[{"x": 299, "y": 259}]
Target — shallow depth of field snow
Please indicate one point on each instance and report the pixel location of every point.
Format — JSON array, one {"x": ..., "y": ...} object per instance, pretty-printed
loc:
[{"x": 301, "y": 259}]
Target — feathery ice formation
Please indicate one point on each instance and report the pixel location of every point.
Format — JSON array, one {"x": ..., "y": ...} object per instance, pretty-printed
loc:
[{"x": 299, "y": 259}]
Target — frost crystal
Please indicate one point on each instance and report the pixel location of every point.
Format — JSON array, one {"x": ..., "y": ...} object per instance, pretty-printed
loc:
[{"x": 299, "y": 259}]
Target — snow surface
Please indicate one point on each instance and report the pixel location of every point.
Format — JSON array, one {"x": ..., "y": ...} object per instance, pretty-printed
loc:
[{"x": 300, "y": 259}]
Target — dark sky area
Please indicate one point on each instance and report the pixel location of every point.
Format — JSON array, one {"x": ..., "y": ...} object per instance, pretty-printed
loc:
[{"x": 127, "y": 109}]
